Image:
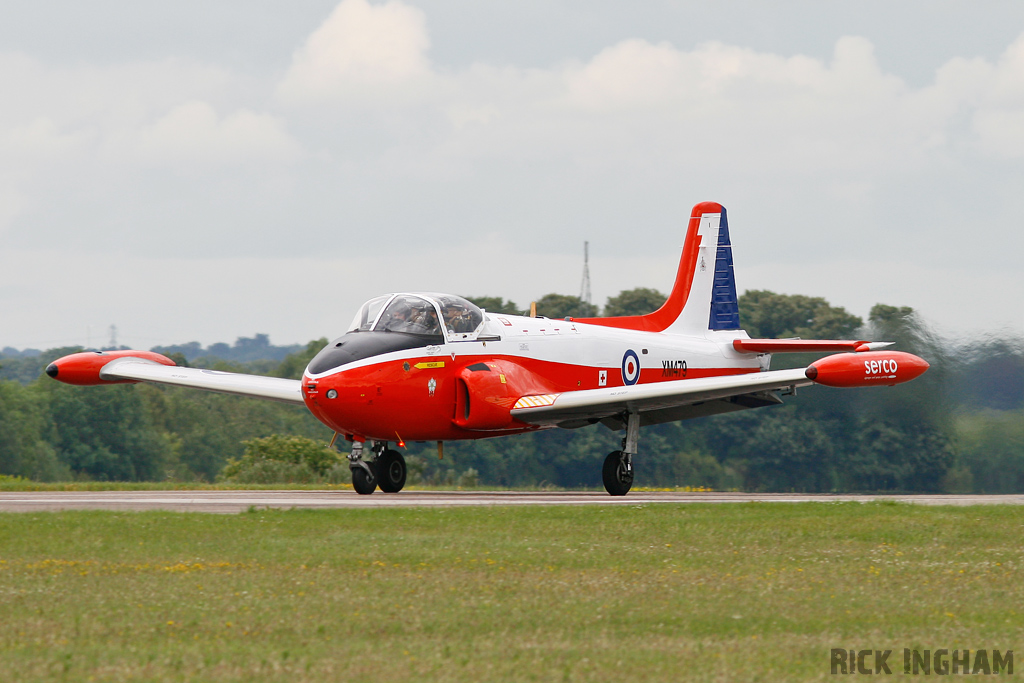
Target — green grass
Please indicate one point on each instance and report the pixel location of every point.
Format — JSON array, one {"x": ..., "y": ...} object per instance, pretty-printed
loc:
[{"x": 619, "y": 593}]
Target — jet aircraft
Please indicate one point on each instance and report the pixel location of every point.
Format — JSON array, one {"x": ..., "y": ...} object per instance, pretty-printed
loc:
[{"x": 421, "y": 366}]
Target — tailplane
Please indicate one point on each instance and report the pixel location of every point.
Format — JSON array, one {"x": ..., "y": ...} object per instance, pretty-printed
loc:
[{"x": 703, "y": 297}]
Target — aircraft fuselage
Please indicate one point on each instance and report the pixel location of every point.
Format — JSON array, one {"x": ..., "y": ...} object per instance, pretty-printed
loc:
[{"x": 464, "y": 386}]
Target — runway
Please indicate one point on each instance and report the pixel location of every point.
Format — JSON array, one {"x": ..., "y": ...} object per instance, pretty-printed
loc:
[{"x": 239, "y": 501}]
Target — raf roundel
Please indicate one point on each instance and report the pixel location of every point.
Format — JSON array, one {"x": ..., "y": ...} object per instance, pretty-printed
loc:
[{"x": 630, "y": 368}]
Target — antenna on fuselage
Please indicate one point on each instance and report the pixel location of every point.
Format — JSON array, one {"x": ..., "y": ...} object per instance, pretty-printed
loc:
[{"x": 585, "y": 285}]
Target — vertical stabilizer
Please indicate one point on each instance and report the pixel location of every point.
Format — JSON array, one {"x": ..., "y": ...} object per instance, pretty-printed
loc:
[{"x": 703, "y": 297}]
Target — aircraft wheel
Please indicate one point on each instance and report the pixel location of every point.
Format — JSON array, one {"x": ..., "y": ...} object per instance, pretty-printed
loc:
[
  {"x": 391, "y": 471},
  {"x": 617, "y": 473},
  {"x": 362, "y": 481}
]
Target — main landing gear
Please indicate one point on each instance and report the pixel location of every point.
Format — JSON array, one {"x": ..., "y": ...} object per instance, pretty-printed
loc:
[
  {"x": 617, "y": 473},
  {"x": 386, "y": 469}
]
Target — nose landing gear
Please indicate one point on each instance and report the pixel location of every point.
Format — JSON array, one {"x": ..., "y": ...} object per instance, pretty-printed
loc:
[
  {"x": 391, "y": 471},
  {"x": 364, "y": 479},
  {"x": 387, "y": 469}
]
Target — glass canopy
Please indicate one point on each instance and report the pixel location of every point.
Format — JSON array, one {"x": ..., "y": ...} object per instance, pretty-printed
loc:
[{"x": 418, "y": 314}]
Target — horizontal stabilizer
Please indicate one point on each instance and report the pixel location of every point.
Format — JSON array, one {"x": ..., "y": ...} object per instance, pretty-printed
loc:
[{"x": 803, "y": 345}]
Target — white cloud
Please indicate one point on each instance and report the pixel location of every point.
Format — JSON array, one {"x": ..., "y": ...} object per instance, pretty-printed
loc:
[
  {"x": 1001, "y": 132},
  {"x": 148, "y": 113},
  {"x": 105, "y": 95},
  {"x": 363, "y": 142},
  {"x": 360, "y": 46},
  {"x": 41, "y": 139},
  {"x": 998, "y": 120},
  {"x": 12, "y": 203},
  {"x": 193, "y": 132}
]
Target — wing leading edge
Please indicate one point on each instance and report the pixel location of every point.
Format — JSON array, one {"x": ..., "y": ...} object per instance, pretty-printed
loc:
[{"x": 273, "y": 388}]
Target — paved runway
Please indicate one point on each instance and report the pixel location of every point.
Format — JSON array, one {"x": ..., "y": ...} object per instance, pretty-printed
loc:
[{"x": 238, "y": 501}]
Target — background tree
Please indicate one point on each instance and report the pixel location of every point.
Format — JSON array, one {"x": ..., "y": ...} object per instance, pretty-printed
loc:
[
  {"x": 244, "y": 350},
  {"x": 106, "y": 433},
  {"x": 294, "y": 364},
  {"x": 991, "y": 451},
  {"x": 957, "y": 427},
  {"x": 990, "y": 374},
  {"x": 639, "y": 301},
  {"x": 290, "y": 459},
  {"x": 496, "y": 304},
  {"x": 556, "y": 306},
  {"x": 25, "y": 423},
  {"x": 210, "y": 428},
  {"x": 767, "y": 315},
  {"x": 28, "y": 368}
]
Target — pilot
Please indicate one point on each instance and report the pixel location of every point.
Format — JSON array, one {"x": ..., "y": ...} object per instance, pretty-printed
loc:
[
  {"x": 418, "y": 317},
  {"x": 456, "y": 319},
  {"x": 399, "y": 320},
  {"x": 422, "y": 320}
]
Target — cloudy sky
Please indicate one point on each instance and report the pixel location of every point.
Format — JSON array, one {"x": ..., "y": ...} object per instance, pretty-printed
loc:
[{"x": 203, "y": 171}]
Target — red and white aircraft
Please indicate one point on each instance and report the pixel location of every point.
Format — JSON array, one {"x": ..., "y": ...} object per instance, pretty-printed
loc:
[{"x": 420, "y": 366}]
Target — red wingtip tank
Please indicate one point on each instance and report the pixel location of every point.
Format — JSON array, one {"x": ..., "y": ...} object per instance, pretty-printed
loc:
[
  {"x": 868, "y": 369},
  {"x": 83, "y": 369}
]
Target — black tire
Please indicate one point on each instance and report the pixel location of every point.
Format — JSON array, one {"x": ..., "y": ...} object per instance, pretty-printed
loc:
[
  {"x": 391, "y": 471},
  {"x": 363, "y": 482},
  {"x": 617, "y": 476}
]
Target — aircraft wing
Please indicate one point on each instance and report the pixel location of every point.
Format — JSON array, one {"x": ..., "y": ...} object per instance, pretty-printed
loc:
[
  {"x": 274, "y": 388},
  {"x": 659, "y": 402},
  {"x": 111, "y": 367}
]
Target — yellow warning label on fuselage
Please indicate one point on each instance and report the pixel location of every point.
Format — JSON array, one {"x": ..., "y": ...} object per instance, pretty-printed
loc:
[{"x": 430, "y": 364}]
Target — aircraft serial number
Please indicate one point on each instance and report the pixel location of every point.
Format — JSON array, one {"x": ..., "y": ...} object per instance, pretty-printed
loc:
[{"x": 673, "y": 368}]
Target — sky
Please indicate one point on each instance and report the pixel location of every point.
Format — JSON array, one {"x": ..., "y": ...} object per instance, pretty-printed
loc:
[{"x": 204, "y": 171}]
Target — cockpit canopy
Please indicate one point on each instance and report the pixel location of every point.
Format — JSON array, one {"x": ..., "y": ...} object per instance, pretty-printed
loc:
[
  {"x": 419, "y": 314},
  {"x": 398, "y": 322},
  {"x": 409, "y": 314}
]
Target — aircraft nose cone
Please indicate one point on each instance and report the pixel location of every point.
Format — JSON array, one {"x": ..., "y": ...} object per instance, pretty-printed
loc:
[{"x": 51, "y": 370}]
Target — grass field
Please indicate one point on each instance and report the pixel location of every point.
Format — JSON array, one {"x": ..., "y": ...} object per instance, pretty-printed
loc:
[{"x": 643, "y": 593}]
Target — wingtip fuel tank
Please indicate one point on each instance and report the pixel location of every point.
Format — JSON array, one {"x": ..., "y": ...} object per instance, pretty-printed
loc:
[
  {"x": 867, "y": 369},
  {"x": 85, "y": 369}
]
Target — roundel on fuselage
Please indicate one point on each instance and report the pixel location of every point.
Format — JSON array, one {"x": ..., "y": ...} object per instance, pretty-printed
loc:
[{"x": 630, "y": 367}]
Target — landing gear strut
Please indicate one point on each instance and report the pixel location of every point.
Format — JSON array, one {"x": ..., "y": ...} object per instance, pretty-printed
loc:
[
  {"x": 617, "y": 473},
  {"x": 387, "y": 469},
  {"x": 364, "y": 479}
]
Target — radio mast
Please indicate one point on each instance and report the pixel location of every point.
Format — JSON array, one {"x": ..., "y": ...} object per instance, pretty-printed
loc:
[{"x": 585, "y": 285}]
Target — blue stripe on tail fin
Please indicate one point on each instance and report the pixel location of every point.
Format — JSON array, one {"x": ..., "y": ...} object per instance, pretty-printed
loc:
[{"x": 725, "y": 308}]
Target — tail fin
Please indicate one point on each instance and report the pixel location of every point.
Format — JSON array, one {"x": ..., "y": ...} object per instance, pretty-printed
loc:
[{"x": 704, "y": 294}]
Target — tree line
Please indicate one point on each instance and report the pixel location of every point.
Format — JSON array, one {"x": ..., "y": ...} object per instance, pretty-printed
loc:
[{"x": 960, "y": 427}]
